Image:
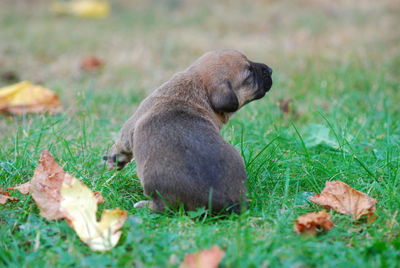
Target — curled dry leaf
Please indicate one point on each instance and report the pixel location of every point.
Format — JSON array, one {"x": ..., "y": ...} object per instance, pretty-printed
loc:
[
  {"x": 309, "y": 223},
  {"x": 91, "y": 64},
  {"x": 60, "y": 195},
  {"x": 340, "y": 197},
  {"x": 5, "y": 196},
  {"x": 209, "y": 258},
  {"x": 26, "y": 97}
]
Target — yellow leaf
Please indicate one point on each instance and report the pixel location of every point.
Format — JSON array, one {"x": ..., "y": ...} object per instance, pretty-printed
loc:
[
  {"x": 26, "y": 97},
  {"x": 80, "y": 205},
  {"x": 82, "y": 8},
  {"x": 8, "y": 92}
]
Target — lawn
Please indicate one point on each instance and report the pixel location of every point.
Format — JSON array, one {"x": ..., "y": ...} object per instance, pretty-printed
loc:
[{"x": 337, "y": 61}]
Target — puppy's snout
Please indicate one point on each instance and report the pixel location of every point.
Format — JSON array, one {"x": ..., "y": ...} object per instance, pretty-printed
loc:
[
  {"x": 266, "y": 70},
  {"x": 266, "y": 73},
  {"x": 269, "y": 70}
]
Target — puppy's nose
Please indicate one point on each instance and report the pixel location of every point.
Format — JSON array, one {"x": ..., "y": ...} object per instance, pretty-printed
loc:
[
  {"x": 269, "y": 70},
  {"x": 266, "y": 70}
]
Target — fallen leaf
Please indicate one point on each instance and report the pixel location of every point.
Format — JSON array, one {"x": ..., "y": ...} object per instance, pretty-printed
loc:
[
  {"x": 5, "y": 196},
  {"x": 371, "y": 217},
  {"x": 309, "y": 223},
  {"x": 23, "y": 188},
  {"x": 209, "y": 258},
  {"x": 82, "y": 8},
  {"x": 26, "y": 189},
  {"x": 91, "y": 64},
  {"x": 99, "y": 198},
  {"x": 316, "y": 134},
  {"x": 26, "y": 97},
  {"x": 79, "y": 204},
  {"x": 340, "y": 197},
  {"x": 45, "y": 187},
  {"x": 61, "y": 196},
  {"x": 286, "y": 107}
]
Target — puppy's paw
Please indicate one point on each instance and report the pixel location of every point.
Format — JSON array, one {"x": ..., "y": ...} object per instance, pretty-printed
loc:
[
  {"x": 117, "y": 159},
  {"x": 142, "y": 204}
]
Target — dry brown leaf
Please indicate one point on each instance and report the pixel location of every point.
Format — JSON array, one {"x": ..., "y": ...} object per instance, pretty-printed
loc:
[
  {"x": 284, "y": 105},
  {"x": 340, "y": 197},
  {"x": 24, "y": 97},
  {"x": 45, "y": 187},
  {"x": 23, "y": 188},
  {"x": 5, "y": 196},
  {"x": 60, "y": 195},
  {"x": 309, "y": 223},
  {"x": 26, "y": 189},
  {"x": 91, "y": 64},
  {"x": 287, "y": 109},
  {"x": 209, "y": 258}
]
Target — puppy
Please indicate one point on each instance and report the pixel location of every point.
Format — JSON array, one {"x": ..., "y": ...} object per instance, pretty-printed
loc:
[{"x": 174, "y": 135}]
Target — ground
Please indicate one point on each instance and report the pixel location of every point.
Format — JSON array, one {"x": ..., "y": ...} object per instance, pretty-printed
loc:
[{"x": 338, "y": 63}]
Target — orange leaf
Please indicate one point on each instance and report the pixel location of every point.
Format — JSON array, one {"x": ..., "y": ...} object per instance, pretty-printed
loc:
[
  {"x": 340, "y": 197},
  {"x": 371, "y": 217},
  {"x": 309, "y": 223},
  {"x": 209, "y": 258},
  {"x": 91, "y": 64},
  {"x": 5, "y": 196}
]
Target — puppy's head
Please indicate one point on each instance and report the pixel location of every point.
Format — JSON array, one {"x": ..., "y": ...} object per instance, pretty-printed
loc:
[{"x": 231, "y": 80}]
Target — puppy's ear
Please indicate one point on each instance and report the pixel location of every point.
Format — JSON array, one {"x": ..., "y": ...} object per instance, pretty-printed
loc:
[{"x": 223, "y": 99}]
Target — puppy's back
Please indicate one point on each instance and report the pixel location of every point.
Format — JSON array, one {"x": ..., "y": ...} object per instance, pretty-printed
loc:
[{"x": 181, "y": 156}]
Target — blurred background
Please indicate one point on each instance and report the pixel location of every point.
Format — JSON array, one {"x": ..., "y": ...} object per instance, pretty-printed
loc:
[
  {"x": 329, "y": 56},
  {"x": 142, "y": 43}
]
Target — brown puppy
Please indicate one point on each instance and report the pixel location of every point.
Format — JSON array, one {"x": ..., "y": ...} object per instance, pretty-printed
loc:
[{"x": 175, "y": 138}]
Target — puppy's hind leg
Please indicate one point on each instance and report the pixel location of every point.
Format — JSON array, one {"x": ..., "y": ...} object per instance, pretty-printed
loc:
[
  {"x": 142, "y": 204},
  {"x": 156, "y": 205}
]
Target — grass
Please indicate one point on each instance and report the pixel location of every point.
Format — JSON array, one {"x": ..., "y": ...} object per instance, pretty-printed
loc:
[{"x": 338, "y": 63}]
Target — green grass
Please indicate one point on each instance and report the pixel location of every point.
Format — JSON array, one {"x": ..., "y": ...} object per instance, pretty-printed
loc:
[{"x": 350, "y": 87}]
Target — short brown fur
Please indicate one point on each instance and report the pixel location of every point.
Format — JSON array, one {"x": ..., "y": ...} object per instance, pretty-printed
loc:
[{"x": 175, "y": 138}]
